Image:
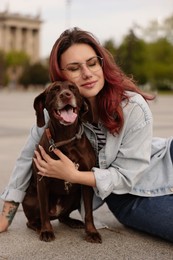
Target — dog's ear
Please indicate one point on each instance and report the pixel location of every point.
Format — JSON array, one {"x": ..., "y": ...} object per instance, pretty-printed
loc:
[
  {"x": 39, "y": 105},
  {"x": 85, "y": 111}
]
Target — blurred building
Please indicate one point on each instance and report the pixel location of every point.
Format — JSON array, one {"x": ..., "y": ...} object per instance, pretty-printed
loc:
[{"x": 20, "y": 33}]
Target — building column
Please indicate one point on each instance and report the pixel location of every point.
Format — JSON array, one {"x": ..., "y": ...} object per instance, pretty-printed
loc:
[
  {"x": 28, "y": 42},
  {"x": 6, "y": 38},
  {"x": 36, "y": 45},
  {"x": 18, "y": 40}
]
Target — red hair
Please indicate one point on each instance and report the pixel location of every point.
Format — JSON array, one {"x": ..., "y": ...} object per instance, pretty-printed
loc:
[{"x": 116, "y": 82}]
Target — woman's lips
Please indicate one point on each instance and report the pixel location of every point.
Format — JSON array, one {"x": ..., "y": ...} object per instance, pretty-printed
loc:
[{"x": 90, "y": 84}]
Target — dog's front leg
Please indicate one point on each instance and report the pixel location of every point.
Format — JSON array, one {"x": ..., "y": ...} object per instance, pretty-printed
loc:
[
  {"x": 46, "y": 232},
  {"x": 92, "y": 235}
]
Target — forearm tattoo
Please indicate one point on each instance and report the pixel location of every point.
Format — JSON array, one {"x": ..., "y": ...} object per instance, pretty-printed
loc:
[{"x": 10, "y": 211}]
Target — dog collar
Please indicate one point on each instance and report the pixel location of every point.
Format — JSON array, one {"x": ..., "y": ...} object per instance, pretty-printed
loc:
[{"x": 54, "y": 145}]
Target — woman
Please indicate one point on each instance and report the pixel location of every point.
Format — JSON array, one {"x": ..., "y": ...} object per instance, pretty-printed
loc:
[{"x": 134, "y": 173}]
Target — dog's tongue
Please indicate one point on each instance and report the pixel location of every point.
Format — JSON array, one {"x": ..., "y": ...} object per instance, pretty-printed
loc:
[{"x": 68, "y": 115}]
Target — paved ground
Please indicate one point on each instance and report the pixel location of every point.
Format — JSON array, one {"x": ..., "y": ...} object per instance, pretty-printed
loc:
[{"x": 119, "y": 243}]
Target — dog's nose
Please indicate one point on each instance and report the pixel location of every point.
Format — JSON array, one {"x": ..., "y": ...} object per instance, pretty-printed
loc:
[{"x": 65, "y": 94}]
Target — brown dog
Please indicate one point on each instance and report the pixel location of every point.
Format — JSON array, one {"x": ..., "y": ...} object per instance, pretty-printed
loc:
[{"x": 49, "y": 198}]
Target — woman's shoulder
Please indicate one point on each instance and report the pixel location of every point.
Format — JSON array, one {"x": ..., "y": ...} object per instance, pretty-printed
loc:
[
  {"x": 136, "y": 98},
  {"x": 136, "y": 106}
]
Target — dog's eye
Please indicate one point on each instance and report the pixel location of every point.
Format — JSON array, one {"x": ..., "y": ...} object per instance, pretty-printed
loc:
[
  {"x": 72, "y": 87},
  {"x": 56, "y": 88}
]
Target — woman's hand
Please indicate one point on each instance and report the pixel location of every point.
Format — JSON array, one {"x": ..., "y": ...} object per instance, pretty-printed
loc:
[{"x": 63, "y": 168}]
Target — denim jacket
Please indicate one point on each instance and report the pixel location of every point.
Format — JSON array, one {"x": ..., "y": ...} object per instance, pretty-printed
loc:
[{"x": 131, "y": 162}]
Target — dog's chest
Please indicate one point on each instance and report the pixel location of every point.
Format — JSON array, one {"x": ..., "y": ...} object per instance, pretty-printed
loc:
[{"x": 56, "y": 210}]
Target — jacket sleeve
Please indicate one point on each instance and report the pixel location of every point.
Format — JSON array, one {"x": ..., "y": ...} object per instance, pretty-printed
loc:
[
  {"x": 131, "y": 157},
  {"x": 21, "y": 174}
]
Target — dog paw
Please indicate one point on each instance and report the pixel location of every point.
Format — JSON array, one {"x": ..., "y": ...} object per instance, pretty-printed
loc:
[
  {"x": 47, "y": 236},
  {"x": 93, "y": 237}
]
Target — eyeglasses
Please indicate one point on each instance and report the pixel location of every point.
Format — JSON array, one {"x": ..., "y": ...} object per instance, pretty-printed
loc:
[{"x": 93, "y": 64}]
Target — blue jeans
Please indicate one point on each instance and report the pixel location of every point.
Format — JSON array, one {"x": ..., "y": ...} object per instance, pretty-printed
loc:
[{"x": 153, "y": 215}]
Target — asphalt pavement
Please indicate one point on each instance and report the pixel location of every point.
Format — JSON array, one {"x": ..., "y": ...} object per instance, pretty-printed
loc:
[{"x": 119, "y": 243}]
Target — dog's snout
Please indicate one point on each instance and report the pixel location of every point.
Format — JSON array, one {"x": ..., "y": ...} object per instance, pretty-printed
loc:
[{"x": 65, "y": 94}]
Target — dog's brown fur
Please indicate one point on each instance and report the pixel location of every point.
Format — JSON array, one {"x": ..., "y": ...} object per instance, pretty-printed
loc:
[{"x": 49, "y": 198}]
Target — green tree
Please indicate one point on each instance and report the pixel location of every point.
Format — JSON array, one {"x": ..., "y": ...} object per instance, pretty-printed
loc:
[
  {"x": 36, "y": 74},
  {"x": 16, "y": 58},
  {"x": 110, "y": 46},
  {"x": 15, "y": 61},
  {"x": 160, "y": 64},
  {"x": 167, "y": 28},
  {"x": 131, "y": 57}
]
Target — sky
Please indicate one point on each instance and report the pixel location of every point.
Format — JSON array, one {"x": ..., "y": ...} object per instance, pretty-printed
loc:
[{"x": 106, "y": 19}]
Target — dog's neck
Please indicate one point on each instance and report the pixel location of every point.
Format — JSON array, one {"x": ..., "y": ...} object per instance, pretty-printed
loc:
[
  {"x": 63, "y": 135},
  {"x": 61, "y": 132}
]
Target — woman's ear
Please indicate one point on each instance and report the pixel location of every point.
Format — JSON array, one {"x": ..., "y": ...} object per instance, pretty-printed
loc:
[{"x": 39, "y": 105}]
